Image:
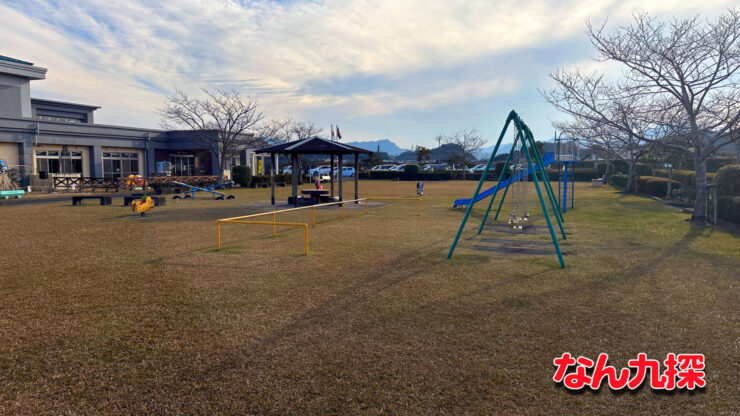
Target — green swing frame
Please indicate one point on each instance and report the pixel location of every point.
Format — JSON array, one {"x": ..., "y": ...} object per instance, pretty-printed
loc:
[{"x": 537, "y": 170}]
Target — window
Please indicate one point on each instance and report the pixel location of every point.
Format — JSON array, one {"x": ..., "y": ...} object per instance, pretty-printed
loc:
[
  {"x": 117, "y": 165},
  {"x": 55, "y": 163}
]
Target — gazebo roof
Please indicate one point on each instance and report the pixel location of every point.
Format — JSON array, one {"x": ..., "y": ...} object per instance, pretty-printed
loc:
[{"x": 314, "y": 145}]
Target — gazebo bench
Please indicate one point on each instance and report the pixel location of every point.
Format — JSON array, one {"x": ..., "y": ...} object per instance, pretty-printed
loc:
[{"x": 104, "y": 200}]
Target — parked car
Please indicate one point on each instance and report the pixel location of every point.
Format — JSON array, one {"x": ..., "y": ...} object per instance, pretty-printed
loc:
[
  {"x": 320, "y": 172},
  {"x": 398, "y": 168},
  {"x": 382, "y": 167},
  {"x": 481, "y": 168},
  {"x": 347, "y": 171},
  {"x": 287, "y": 170}
]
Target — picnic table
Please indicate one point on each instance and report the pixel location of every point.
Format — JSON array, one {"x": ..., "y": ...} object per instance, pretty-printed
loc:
[{"x": 315, "y": 194}]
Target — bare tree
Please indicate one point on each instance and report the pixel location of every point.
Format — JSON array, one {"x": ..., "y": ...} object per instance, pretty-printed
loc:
[
  {"x": 578, "y": 95},
  {"x": 683, "y": 76},
  {"x": 467, "y": 142},
  {"x": 222, "y": 120}
]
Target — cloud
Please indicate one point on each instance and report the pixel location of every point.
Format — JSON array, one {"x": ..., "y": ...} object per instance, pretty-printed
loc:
[{"x": 125, "y": 54}]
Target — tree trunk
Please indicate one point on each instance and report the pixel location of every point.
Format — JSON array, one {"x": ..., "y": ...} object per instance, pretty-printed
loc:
[
  {"x": 631, "y": 186},
  {"x": 669, "y": 188},
  {"x": 700, "y": 205}
]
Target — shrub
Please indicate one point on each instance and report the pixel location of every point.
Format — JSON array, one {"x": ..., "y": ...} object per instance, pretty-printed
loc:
[
  {"x": 653, "y": 185},
  {"x": 728, "y": 181},
  {"x": 728, "y": 208},
  {"x": 241, "y": 175},
  {"x": 437, "y": 175},
  {"x": 383, "y": 174},
  {"x": 643, "y": 169},
  {"x": 618, "y": 180}
]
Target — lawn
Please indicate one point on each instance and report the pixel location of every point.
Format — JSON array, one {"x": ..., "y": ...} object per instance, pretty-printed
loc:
[{"x": 105, "y": 312}]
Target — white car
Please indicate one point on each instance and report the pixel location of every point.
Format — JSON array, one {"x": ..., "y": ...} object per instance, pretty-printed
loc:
[
  {"x": 382, "y": 167},
  {"x": 321, "y": 173},
  {"x": 481, "y": 168},
  {"x": 347, "y": 171},
  {"x": 287, "y": 170},
  {"x": 398, "y": 168}
]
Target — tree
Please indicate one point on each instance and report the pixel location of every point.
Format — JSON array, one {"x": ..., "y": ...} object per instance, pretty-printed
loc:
[
  {"x": 422, "y": 154},
  {"x": 467, "y": 142},
  {"x": 222, "y": 120},
  {"x": 576, "y": 95},
  {"x": 681, "y": 77}
]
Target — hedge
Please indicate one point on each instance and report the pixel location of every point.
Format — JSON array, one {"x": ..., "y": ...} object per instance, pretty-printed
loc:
[
  {"x": 618, "y": 180},
  {"x": 728, "y": 208},
  {"x": 686, "y": 177},
  {"x": 728, "y": 181},
  {"x": 654, "y": 185},
  {"x": 265, "y": 179}
]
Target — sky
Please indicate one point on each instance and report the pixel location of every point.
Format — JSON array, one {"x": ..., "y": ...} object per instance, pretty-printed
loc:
[{"x": 400, "y": 70}]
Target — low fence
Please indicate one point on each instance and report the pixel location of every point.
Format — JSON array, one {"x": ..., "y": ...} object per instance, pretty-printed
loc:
[
  {"x": 82, "y": 184},
  {"x": 246, "y": 219}
]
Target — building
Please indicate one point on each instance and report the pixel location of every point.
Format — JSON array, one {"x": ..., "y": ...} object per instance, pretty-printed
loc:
[{"x": 44, "y": 138}]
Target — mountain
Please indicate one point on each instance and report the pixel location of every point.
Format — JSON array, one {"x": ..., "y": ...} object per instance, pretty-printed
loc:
[
  {"x": 385, "y": 146},
  {"x": 485, "y": 152}
]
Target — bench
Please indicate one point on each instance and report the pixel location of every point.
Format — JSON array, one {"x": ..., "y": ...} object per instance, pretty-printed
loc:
[
  {"x": 104, "y": 200},
  {"x": 597, "y": 182},
  {"x": 329, "y": 198},
  {"x": 158, "y": 200}
]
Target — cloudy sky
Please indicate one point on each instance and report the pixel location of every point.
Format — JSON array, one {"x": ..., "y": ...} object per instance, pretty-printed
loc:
[{"x": 403, "y": 70}]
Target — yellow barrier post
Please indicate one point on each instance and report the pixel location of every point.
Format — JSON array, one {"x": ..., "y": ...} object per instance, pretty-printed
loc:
[
  {"x": 274, "y": 231},
  {"x": 218, "y": 233},
  {"x": 419, "y": 206},
  {"x": 342, "y": 209},
  {"x": 367, "y": 205},
  {"x": 313, "y": 216}
]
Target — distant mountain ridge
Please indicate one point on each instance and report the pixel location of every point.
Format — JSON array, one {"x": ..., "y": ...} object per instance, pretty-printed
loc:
[{"x": 386, "y": 146}]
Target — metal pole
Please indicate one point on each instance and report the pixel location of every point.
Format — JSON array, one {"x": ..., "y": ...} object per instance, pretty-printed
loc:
[
  {"x": 273, "y": 224},
  {"x": 272, "y": 178},
  {"x": 542, "y": 203},
  {"x": 565, "y": 189},
  {"x": 500, "y": 175},
  {"x": 357, "y": 178},
  {"x": 512, "y": 114}
]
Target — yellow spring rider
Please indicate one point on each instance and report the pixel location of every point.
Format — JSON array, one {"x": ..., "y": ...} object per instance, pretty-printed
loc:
[{"x": 143, "y": 205}]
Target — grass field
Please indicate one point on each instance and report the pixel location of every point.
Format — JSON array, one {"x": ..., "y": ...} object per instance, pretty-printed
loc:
[{"x": 105, "y": 312}]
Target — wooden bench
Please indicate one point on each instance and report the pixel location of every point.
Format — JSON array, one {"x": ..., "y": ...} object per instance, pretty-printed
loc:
[
  {"x": 104, "y": 200},
  {"x": 158, "y": 200}
]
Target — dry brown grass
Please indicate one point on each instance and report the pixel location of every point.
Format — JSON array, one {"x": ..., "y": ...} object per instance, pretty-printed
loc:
[{"x": 105, "y": 312}]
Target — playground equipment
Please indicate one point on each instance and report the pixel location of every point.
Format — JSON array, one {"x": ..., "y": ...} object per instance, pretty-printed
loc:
[
  {"x": 142, "y": 205},
  {"x": 135, "y": 183},
  {"x": 566, "y": 154},
  {"x": 210, "y": 189},
  {"x": 524, "y": 145},
  {"x": 249, "y": 219},
  {"x": 8, "y": 188}
]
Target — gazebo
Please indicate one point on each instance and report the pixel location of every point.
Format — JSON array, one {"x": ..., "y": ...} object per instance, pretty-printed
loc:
[{"x": 313, "y": 146}]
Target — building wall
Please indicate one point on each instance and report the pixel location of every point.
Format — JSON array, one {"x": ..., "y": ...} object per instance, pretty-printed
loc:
[{"x": 9, "y": 153}]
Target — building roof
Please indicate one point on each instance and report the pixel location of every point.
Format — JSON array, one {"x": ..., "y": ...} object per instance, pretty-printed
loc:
[
  {"x": 16, "y": 61},
  {"x": 315, "y": 146},
  {"x": 64, "y": 103}
]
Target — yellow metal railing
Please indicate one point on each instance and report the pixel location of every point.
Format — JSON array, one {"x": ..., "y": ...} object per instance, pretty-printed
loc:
[
  {"x": 243, "y": 219},
  {"x": 286, "y": 224}
]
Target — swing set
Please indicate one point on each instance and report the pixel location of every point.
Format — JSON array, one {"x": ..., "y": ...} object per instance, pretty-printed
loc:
[{"x": 525, "y": 160}]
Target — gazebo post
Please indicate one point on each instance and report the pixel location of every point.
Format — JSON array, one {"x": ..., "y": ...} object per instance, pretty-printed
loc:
[
  {"x": 339, "y": 175},
  {"x": 294, "y": 178},
  {"x": 331, "y": 175},
  {"x": 357, "y": 177},
  {"x": 272, "y": 177}
]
